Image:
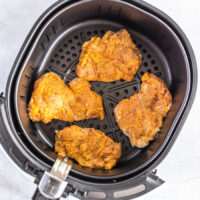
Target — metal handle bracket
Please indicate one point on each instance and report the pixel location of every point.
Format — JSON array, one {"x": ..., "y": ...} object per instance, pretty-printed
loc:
[{"x": 52, "y": 184}]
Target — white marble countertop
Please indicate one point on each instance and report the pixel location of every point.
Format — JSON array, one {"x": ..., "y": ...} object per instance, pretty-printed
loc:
[{"x": 180, "y": 169}]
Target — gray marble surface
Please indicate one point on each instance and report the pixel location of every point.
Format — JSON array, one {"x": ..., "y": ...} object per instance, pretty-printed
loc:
[{"x": 180, "y": 169}]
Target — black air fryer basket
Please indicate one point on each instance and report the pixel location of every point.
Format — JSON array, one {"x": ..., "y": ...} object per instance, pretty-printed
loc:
[{"x": 54, "y": 45}]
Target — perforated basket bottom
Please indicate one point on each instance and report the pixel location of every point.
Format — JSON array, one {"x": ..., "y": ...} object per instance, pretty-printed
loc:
[{"x": 63, "y": 60}]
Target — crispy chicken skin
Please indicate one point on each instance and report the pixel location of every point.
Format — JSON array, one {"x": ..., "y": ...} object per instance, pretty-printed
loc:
[
  {"x": 52, "y": 99},
  {"x": 90, "y": 147},
  {"x": 141, "y": 116},
  {"x": 110, "y": 58}
]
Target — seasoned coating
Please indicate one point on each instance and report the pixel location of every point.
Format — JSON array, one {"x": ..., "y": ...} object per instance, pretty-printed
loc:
[
  {"x": 141, "y": 116},
  {"x": 89, "y": 147},
  {"x": 110, "y": 58},
  {"x": 52, "y": 99}
]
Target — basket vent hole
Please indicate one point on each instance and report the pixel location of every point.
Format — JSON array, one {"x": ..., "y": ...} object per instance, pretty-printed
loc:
[
  {"x": 60, "y": 50},
  {"x": 145, "y": 64},
  {"x": 141, "y": 73},
  {"x": 74, "y": 55},
  {"x": 139, "y": 46},
  {"x": 122, "y": 80},
  {"x": 95, "y": 32},
  {"x": 102, "y": 32},
  {"x": 105, "y": 126},
  {"x": 149, "y": 70},
  {"x": 89, "y": 33},
  {"x": 126, "y": 91},
  {"x": 113, "y": 83},
  {"x": 58, "y": 62},
  {"x": 134, "y": 41},
  {"x": 65, "y": 45},
  {"x": 72, "y": 48},
  {"x": 62, "y": 57},
  {"x": 56, "y": 56},
  {"x": 111, "y": 105},
  {"x": 79, "y": 44},
  {"x": 135, "y": 88},
  {"x": 52, "y": 61},
  {"x": 153, "y": 62},
  {"x": 100, "y": 92},
  {"x": 156, "y": 68},
  {"x": 68, "y": 60},
  {"x": 149, "y": 56},
  {"x": 120, "y": 133},
  {"x": 144, "y": 50},
  {"x": 68, "y": 53},
  {"x": 70, "y": 41},
  {"x": 97, "y": 127},
  {"x": 63, "y": 66},
  {"x": 60, "y": 127},
  {"x": 76, "y": 37},
  {"x": 116, "y": 94}
]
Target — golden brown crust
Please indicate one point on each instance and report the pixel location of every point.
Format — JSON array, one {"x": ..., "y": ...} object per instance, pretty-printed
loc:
[
  {"x": 141, "y": 116},
  {"x": 90, "y": 147},
  {"x": 52, "y": 99},
  {"x": 110, "y": 58}
]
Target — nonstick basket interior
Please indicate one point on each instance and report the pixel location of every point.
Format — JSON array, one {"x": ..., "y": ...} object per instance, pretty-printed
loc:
[{"x": 57, "y": 50}]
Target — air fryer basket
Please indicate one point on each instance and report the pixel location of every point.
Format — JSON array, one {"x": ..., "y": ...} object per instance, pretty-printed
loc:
[{"x": 54, "y": 44}]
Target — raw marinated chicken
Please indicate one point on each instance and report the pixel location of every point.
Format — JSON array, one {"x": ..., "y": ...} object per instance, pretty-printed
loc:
[
  {"x": 141, "y": 116},
  {"x": 110, "y": 58},
  {"x": 89, "y": 147},
  {"x": 53, "y": 99}
]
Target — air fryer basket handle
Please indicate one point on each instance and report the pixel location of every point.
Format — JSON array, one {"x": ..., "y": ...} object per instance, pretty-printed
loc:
[
  {"x": 129, "y": 190},
  {"x": 52, "y": 184}
]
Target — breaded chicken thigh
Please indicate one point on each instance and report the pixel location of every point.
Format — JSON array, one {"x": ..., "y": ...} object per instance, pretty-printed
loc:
[
  {"x": 89, "y": 147},
  {"x": 53, "y": 99},
  {"x": 141, "y": 116},
  {"x": 110, "y": 58}
]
